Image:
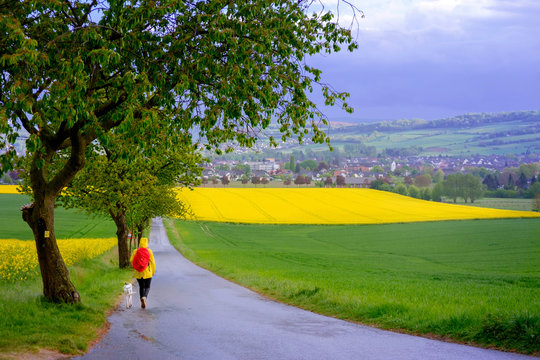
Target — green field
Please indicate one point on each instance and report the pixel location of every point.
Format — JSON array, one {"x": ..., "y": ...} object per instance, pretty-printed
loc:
[
  {"x": 501, "y": 203},
  {"x": 470, "y": 281},
  {"x": 68, "y": 223},
  {"x": 468, "y": 134},
  {"x": 444, "y": 141}
]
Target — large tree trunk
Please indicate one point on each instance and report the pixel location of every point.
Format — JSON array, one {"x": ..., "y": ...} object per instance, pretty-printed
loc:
[
  {"x": 55, "y": 276},
  {"x": 122, "y": 231},
  {"x": 40, "y": 214}
]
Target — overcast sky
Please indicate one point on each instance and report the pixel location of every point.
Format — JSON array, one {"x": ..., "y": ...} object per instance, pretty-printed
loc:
[{"x": 432, "y": 59}]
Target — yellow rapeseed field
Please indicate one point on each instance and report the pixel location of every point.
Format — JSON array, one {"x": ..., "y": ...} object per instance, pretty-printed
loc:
[
  {"x": 325, "y": 206},
  {"x": 19, "y": 258},
  {"x": 9, "y": 189}
]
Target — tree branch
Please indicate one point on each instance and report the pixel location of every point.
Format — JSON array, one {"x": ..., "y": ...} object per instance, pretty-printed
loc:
[{"x": 26, "y": 122}]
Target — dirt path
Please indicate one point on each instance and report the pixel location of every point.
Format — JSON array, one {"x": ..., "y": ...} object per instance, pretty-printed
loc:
[{"x": 193, "y": 314}]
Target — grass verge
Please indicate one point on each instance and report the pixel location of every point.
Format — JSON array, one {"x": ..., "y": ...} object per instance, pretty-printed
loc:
[
  {"x": 475, "y": 282},
  {"x": 29, "y": 323}
]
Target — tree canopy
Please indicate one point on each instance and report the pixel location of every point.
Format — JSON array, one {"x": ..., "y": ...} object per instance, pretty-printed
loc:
[{"x": 73, "y": 71}]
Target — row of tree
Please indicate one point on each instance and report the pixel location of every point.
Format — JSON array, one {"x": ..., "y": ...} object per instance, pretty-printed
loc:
[
  {"x": 111, "y": 84},
  {"x": 466, "y": 186}
]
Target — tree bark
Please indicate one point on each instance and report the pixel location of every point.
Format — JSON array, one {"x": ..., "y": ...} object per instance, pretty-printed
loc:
[
  {"x": 39, "y": 215},
  {"x": 57, "y": 285},
  {"x": 122, "y": 231}
]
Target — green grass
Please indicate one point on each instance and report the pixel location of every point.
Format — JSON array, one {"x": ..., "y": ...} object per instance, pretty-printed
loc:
[
  {"x": 29, "y": 323},
  {"x": 500, "y": 203},
  {"x": 470, "y": 281},
  {"x": 68, "y": 223}
]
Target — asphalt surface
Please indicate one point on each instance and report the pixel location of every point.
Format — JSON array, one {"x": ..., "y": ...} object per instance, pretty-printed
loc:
[{"x": 193, "y": 314}]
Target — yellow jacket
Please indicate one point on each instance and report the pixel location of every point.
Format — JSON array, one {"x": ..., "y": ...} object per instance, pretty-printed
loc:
[{"x": 151, "y": 268}]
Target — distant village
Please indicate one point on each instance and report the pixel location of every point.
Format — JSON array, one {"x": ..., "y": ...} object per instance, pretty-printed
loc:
[
  {"x": 359, "y": 171},
  {"x": 346, "y": 170}
]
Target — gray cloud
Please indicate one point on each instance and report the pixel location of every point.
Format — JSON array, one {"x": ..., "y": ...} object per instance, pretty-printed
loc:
[{"x": 482, "y": 61}]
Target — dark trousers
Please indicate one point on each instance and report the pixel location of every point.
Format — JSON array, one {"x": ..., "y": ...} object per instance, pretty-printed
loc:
[{"x": 144, "y": 286}]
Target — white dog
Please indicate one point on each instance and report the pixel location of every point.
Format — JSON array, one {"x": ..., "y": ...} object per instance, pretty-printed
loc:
[{"x": 128, "y": 291}]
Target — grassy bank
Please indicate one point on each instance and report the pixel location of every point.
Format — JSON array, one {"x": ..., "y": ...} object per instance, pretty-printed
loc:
[
  {"x": 471, "y": 281},
  {"x": 28, "y": 323}
]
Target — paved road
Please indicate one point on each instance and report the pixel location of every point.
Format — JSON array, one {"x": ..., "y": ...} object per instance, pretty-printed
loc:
[{"x": 193, "y": 314}]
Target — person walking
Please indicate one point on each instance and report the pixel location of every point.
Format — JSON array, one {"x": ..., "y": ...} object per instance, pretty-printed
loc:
[{"x": 145, "y": 268}]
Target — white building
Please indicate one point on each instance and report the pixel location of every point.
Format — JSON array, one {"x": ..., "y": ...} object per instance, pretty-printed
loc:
[{"x": 263, "y": 165}]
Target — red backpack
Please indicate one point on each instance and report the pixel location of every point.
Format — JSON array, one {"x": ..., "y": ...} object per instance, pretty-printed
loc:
[{"x": 141, "y": 259}]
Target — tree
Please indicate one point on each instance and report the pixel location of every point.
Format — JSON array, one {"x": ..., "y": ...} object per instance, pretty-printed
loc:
[
  {"x": 439, "y": 176},
  {"x": 6, "y": 179},
  {"x": 481, "y": 172},
  {"x": 72, "y": 71},
  {"x": 287, "y": 181},
  {"x": 414, "y": 192},
  {"x": 309, "y": 165},
  {"x": 377, "y": 169},
  {"x": 452, "y": 186},
  {"x": 533, "y": 190},
  {"x": 243, "y": 168},
  {"x": 522, "y": 181},
  {"x": 472, "y": 187},
  {"x": 437, "y": 192},
  {"x": 158, "y": 200},
  {"x": 422, "y": 180},
  {"x": 400, "y": 189},
  {"x": 425, "y": 193},
  {"x": 340, "y": 180},
  {"x": 138, "y": 184},
  {"x": 323, "y": 165},
  {"x": 376, "y": 184},
  {"x": 408, "y": 180},
  {"x": 529, "y": 170},
  {"x": 427, "y": 170},
  {"x": 298, "y": 168},
  {"x": 291, "y": 163},
  {"x": 328, "y": 181},
  {"x": 255, "y": 180},
  {"x": 467, "y": 186},
  {"x": 508, "y": 179},
  {"x": 491, "y": 182},
  {"x": 264, "y": 180},
  {"x": 300, "y": 180},
  {"x": 225, "y": 180}
]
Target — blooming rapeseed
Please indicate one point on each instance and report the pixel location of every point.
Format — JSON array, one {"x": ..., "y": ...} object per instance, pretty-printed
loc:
[
  {"x": 9, "y": 189},
  {"x": 19, "y": 257},
  {"x": 325, "y": 206}
]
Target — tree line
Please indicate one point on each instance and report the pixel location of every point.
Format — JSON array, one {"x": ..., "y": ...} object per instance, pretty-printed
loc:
[{"x": 466, "y": 186}]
